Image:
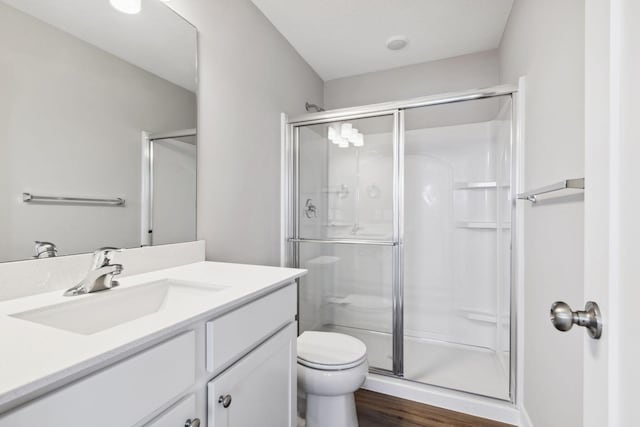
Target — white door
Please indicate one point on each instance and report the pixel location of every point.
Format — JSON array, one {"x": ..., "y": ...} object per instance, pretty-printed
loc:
[
  {"x": 612, "y": 209},
  {"x": 260, "y": 389}
]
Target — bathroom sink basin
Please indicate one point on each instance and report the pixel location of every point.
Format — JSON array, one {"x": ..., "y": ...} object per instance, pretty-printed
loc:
[{"x": 99, "y": 311}]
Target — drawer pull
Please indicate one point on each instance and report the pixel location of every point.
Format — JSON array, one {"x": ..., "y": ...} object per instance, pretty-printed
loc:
[
  {"x": 225, "y": 400},
  {"x": 192, "y": 422}
]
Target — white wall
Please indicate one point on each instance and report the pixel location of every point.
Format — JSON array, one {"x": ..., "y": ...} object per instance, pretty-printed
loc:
[
  {"x": 249, "y": 74},
  {"x": 471, "y": 71},
  {"x": 544, "y": 40},
  {"x": 71, "y": 117}
]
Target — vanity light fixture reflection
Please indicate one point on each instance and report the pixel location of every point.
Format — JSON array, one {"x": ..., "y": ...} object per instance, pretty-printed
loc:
[
  {"x": 343, "y": 134},
  {"x": 332, "y": 133},
  {"x": 345, "y": 130},
  {"x": 130, "y": 7}
]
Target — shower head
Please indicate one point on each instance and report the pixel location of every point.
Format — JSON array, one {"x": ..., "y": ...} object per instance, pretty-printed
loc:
[{"x": 310, "y": 107}]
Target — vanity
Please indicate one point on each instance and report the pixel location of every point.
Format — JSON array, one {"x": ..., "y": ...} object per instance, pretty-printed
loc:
[{"x": 201, "y": 344}]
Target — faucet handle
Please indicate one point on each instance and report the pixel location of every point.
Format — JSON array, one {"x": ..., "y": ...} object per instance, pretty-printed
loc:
[
  {"x": 45, "y": 249},
  {"x": 103, "y": 256}
]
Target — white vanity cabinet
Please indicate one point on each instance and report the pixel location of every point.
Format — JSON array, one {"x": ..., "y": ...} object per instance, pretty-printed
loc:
[
  {"x": 120, "y": 394},
  {"x": 247, "y": 356},
  {"x": 257, "y": 385}
]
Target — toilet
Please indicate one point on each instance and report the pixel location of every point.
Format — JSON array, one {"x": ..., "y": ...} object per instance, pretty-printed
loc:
[{"x": 331, "y": 366}]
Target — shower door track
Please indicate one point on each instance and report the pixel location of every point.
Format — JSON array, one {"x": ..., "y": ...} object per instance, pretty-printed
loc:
[
  {"x": 397, "y": 108},
  {"x": 384, "y": 108}
]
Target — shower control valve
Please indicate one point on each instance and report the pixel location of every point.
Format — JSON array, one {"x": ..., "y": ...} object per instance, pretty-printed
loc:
[{"x": 310, "y": 210}]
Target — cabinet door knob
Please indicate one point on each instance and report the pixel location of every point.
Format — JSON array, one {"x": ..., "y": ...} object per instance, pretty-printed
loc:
[
  {"x": 192, "y": 422},
  {"x": 225, "y": 400}
]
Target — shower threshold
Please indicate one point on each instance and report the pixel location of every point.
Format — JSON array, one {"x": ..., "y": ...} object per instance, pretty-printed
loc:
[{"x": 460, "y": 367}]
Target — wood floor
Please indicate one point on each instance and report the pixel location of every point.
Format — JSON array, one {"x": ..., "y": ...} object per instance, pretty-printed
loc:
[{"x": 380, "y": 410}]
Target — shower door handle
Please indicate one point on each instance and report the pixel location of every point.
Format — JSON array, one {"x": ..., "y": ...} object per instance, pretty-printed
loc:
[{"x": 563, "y": 318}]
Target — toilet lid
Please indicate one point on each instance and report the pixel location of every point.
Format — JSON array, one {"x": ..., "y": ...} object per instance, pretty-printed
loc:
[{"x": 330, "y": 350}]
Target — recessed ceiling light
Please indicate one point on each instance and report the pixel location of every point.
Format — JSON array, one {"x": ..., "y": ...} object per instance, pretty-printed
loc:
[
  {"x": 397, "y": 42},
  {"x": 130, "y": 7}
]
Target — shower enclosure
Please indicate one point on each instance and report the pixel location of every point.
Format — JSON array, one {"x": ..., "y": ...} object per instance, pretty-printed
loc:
[{"x": 403, "y": 215}]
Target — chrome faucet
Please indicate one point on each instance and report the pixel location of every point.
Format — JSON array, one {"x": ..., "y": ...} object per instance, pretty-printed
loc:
[
  {"x": 45, "y": 249},
  {"x": 100, "y": 275}
]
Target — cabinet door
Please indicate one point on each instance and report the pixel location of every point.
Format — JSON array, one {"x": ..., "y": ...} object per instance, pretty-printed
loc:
[{"x": 260, "y": 389}]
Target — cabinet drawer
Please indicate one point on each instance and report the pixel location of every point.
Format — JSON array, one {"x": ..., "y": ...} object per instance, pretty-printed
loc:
[
  {"x": 177, "y": 415},
  {"x": 231, "y": 336},
  {"x": 120, "y": 395}
]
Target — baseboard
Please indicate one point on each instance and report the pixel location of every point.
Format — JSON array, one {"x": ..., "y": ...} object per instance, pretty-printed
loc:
[
  {"x": 478, "y": 406},
  {"x": 525, "y": 421}
]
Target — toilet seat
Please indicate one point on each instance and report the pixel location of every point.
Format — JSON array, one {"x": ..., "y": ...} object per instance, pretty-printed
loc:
[{"x": 330, "y": 351}]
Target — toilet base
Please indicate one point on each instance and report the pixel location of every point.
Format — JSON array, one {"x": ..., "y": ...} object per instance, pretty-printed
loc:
[{"x": 331, "y": 411}]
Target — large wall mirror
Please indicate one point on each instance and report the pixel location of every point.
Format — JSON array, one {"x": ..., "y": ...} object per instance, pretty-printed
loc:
[{"x": 97, "y": 127}]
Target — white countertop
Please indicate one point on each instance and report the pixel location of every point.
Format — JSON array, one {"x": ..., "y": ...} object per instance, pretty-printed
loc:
[{"x": 36, "y": 358}]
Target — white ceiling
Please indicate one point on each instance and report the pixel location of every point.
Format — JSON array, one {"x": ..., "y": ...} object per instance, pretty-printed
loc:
[
  {"x": 340, "y": 38},
  {"x": 156, "y": 40}
]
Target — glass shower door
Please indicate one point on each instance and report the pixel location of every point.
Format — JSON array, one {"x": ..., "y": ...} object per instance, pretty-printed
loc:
[
  {"x": 345, "y": 230},
  {"x": 456, "y": 246}
]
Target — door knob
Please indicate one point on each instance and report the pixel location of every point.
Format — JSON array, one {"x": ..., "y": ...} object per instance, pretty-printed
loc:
[
  {"x": 192, "y": 422},
  {"x": 563, "y": 318}
]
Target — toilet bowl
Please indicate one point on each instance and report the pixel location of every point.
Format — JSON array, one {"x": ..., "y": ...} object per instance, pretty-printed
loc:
[{"x": 331, "y": 367}]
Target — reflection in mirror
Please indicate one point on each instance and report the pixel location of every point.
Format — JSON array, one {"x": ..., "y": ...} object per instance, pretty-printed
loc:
[
  {"x": 169, "y": 201},
  {"x": 97, "y": 127}
]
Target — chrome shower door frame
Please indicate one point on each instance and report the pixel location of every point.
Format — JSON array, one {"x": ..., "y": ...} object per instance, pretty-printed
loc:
[
  {"x": 292, "y": 154},
  {"x": 291, "y": 187}
]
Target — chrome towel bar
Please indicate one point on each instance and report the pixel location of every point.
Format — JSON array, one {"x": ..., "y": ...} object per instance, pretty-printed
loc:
[
  {"x": 31, "y": 198},
  {"x": 345, "y": 242},
  {"x": 576, "y": 184}
]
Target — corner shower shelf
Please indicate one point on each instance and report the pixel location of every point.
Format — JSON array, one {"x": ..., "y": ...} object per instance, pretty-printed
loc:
[
  {"x": 481, "y": 225},
  {"x": 567, "y": 184},
  {"x": 484, "y": 316},
  {"x": 481, "y": 317},
  {"x": 342, "y": 190},
  {"x": 478, "y": 185}
]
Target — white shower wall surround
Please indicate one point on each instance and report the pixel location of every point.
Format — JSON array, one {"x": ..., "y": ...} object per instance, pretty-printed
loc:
[
  {"x": 451, "y": 276},
  {"x": 435, "y": 211}
]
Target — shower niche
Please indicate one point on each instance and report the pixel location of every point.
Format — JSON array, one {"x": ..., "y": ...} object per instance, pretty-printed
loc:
[{"x": 409, "y": 244}]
